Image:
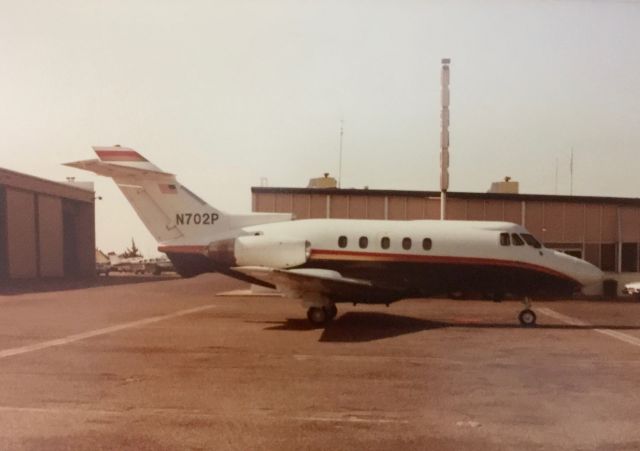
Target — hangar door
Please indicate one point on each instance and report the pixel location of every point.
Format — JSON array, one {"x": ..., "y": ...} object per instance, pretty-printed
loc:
[
  {"x": 70, "y": 253},
  {"x": 78, "y": 239},
  {"x": 50, "y": 236},
  {"x": 21, "y": 234},
  {"x": 4, "y": 259}
]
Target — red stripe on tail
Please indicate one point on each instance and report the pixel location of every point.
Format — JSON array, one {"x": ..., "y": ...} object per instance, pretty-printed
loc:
[{"x": 120, "y": 155}]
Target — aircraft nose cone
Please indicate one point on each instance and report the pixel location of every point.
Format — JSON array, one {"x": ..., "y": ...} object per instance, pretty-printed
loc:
[
  {"x": 592, "y": 274},
  {"x": 580, "y": 270},
  {"x": 589, "y": 274}
]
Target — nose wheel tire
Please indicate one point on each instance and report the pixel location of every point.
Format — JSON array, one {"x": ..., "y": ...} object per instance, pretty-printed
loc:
[{"x": 527, "y": 318}]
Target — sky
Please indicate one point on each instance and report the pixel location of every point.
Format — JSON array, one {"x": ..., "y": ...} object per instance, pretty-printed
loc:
[{"x": 225, "y": 92}]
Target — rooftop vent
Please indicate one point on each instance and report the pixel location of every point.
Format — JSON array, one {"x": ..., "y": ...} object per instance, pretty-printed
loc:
[
  {"x": 323, "y": 182},
  {"x": 507, "y": 186}
]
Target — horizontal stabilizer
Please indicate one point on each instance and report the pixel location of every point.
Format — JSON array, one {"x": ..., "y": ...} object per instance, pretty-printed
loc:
[
  {"x": 124, "y": 156},
  {"x": 115, "y": 170}
]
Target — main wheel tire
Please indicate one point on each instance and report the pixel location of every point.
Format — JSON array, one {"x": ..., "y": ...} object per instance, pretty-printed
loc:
[
  {"x": 332, "y": 311},
  {"x": 527, "y": 318},
  {"x": 317, "y": 315}
]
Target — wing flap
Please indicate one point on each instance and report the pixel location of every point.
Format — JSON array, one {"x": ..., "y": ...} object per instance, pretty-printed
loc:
[{"x": 315, "y": 281}]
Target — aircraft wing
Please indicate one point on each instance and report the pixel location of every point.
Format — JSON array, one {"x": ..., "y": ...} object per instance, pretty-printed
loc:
[{"x": 309, "y": 282}]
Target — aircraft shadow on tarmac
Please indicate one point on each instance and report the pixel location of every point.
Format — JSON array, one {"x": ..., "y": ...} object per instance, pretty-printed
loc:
[{"x": 370, "y": 326}]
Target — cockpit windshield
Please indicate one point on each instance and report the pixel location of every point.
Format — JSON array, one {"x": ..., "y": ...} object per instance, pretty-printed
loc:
[{"x": 531, "y": 240}]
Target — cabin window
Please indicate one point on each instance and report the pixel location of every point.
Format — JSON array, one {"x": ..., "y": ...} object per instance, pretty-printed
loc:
[
  {"x": 516, "y": 240},
  {"x": 504, "y": 239},
  {"x": 531, "y": 241},
  {"x": 406, "y": 243},
  {"x": 363, "y": 242},
  {"x": 426, "y": 244},
  {"x": 385, "y": 242},
  {"x": 342, "y": 241}
]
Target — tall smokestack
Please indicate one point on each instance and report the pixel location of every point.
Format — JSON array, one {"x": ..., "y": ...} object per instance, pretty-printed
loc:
[{"x": 444, "y": 139}]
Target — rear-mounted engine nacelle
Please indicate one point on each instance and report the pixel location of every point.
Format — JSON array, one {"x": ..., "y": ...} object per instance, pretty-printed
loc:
[{"x": 259, "y": 250}]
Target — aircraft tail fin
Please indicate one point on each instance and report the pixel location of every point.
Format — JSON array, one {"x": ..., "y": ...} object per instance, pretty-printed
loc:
[{"x": 169, "y": 210}]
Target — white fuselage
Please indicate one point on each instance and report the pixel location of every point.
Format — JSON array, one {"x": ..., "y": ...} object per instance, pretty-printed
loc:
[{"x": 452, "y": 242}]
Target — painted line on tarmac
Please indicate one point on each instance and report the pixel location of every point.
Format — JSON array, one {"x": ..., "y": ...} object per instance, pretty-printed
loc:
[
  {"x": 97, "y": 332},
  {"x": 350, "y": 419},
  {"x": 629, "y": 339}
]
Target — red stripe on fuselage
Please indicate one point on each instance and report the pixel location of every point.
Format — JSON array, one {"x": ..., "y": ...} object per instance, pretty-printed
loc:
[
  {"x": 325, "y": 254},
  {"x": 120, "y": 155},
  {"x": 337, "y": 255}
]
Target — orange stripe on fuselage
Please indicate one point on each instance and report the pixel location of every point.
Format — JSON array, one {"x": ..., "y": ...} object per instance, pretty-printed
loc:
[{"x": 338, "y": 255}]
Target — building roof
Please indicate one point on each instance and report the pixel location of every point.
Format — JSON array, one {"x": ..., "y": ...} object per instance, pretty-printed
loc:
[
  {"x": 634, "y": 201},
  {"x": 36, "y": 184}
]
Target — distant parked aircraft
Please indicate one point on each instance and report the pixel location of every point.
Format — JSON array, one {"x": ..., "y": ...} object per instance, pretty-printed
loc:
[{"x": 126, "y": 264}]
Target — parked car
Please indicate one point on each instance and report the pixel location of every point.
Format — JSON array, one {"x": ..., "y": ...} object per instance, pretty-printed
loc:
[
  {"x": 632, "y": 289},
  {"x": 157, "y": 266},
  {"x": 103, "y": 269}
]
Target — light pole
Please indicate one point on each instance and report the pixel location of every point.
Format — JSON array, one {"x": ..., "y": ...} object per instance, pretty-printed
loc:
[
  {"x": 444, "y": 139},
  {"x": 340, "y": 154}
]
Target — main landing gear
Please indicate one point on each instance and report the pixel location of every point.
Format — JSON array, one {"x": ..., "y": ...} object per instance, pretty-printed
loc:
[
  {"x": 527, "y": 317},
  {"x": 322, "y": 315}
]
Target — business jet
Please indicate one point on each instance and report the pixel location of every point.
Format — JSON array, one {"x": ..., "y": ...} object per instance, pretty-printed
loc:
[{"x": 323, "y": 262}]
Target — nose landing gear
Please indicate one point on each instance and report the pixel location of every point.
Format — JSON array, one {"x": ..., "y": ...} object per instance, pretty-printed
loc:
[{"x": 527, "y": 317}]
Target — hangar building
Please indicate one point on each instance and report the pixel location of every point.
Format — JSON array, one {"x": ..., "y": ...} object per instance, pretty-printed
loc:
[
  {"x": 47, "y": 229},
  {"x": 603, "y": 230}
]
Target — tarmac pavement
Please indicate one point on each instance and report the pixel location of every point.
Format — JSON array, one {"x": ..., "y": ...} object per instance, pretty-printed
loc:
[{"x": 168, "y": 364}]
